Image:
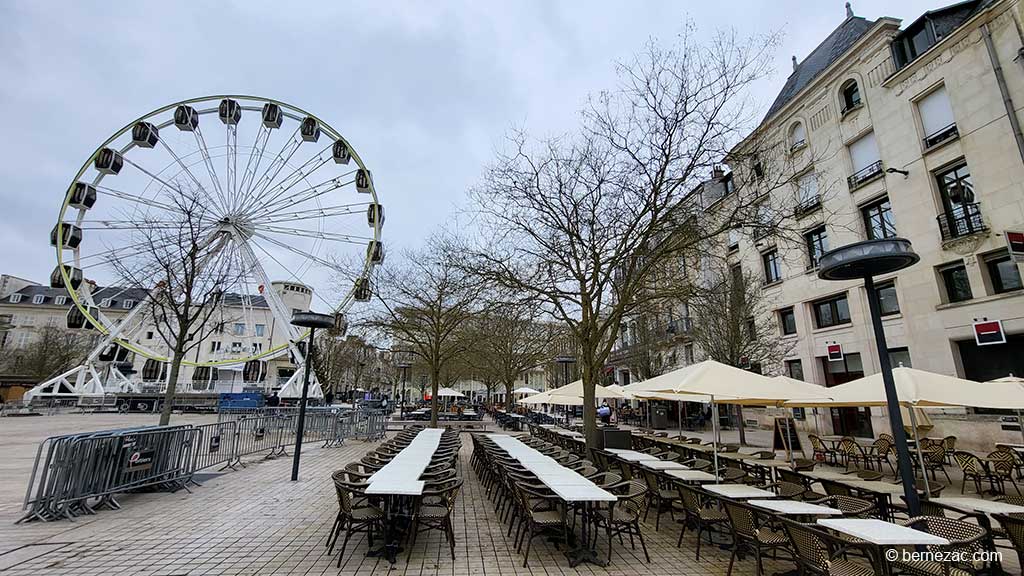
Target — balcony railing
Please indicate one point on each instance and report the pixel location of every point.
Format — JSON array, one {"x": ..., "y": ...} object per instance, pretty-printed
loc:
[
  {"x": 679, "y": 326},
  {"x": 963, "y": 220},
  {"x": 807, "y": 205},
  {"x": 941, "y": 135},
  {"x": 866, "y": 174}
]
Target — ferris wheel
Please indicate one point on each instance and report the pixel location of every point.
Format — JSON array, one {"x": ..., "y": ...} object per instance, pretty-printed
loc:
[{"x": 273, "y": 192}]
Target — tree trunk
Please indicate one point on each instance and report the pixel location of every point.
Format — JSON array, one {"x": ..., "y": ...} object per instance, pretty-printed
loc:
[
  {"x": 589, "y": 411},
  {"x": 436, "y": 376},
  {"x": 172, "y": 386},
  {"x": 509, "y": 402},
  {"x": 741, "y": 425}
]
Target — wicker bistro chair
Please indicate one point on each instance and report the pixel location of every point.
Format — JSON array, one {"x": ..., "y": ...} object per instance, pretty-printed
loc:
[
  {"x": 877, "y": 455},
  {"x": 935, "y": 459},
  {"x": 605, "y": 480},
  {"x": 1013, "y": 529},
  {"x": 850, "y": 506},
  {"x": 820, "y": 553},
  {"x": 821, "y": 452},
  {"x": 660, "y": 496},
  {"x": 804, "y": 464},
  {"x": 352, "y": 519},
  {"x": 434, "y": 512},
  {"x": 963, "y": 537},
  {"x": 699, "y": 512},
  {"x": 1002, "y": 466},
  {"x": 974, "y": 470},
  {"x": 541, "y": 513},
  {"x": 787, "y": 490},
  {"x": 949, "y": 443},
  {"x": 623, "y": 517},
  {"x": 850, "y": 452},
  {"x": 750, "y": 533}
]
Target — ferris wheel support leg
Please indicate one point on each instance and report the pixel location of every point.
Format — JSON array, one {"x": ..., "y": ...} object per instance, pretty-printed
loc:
[{"x": 60, "y": 385}]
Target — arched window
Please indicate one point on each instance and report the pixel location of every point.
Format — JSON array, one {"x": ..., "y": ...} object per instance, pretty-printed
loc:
[
  {"x": 797, "y": 136},
  {"x": 850, "y": 93}
]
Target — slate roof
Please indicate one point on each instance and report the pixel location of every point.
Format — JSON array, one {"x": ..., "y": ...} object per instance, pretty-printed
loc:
[
  {"x": 117, "y": 294},
  {"x": 830, "y": 49}
]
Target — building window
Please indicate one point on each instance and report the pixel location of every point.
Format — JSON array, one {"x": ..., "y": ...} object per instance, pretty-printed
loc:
[
  {"x": 961, "y": 216},
  {"x": 888, "y": 304},
  {"x": 236, "y": 347},
  {"x": 831, "y": 311},
  {"x": 772, "y": 271},
  {"x": 851, "y": 96},
  {"x": 878, "y": 219},
  {"x": 733, "y": 239},
  {"x": 807, "y": 193},
  {"x": 128, "y": 304},
  {"x": 214, "y": 346},
  {"x": 787, "y": 317},
  {"x": 60, "y": 300},
  {"x": 900, "y": 357},
  {"x": 797, "y": 137},
  {"x": 912, "y": 42},
  {"x": 1002, "y": 272},
  {"x": 15, "y": 298},
  {"x": 795, "y": 369},
  {"x": 28, "y": 320},
  {"x": 936, "y": 117},
  {"x": 261, "y": 329},
  {"x": 38, "y": 299},
  {"x": 149, "y": 335},
  {"x": 956, "y": 282},
  {"x": 22, "y": 338},
  {"x": 864, "y": 158},
  {"x": 817, "y": 245},
  {"x": 239, "y": 329},
  {"x": 688, "y": 354},
  {"x": 105, "y": 303}
]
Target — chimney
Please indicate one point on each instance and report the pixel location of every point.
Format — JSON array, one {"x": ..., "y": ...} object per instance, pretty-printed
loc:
[
  {"x": 849, "y": 10},
  {"x": 717, "y": 172},
  {"x": 794, "y": 63}
]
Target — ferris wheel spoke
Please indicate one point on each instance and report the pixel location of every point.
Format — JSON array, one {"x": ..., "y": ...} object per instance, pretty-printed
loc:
[
  {"x": 256, "y": 153},
  {"x": 317, "y": 234},
  {"x": 208, "y": 161},
  {"x": 191, "y": 176},
  {"x": 130, "y": 224},
  {"x": 133, "y": 198},
  {"x": 309, "y": 257},
  {"x": 280, "y": 160},
  {"x": 231, "y": 163},
  {"x": 312, "y": 213},
  {"x": 303, "y": 195},
  {"x": 289, "y": 271},
  {"x": 297, "y": 175}
]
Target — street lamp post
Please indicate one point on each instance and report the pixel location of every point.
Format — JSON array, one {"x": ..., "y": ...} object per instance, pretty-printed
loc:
[
  {"x": 310, "y": 320},
  {"x": 404, "y": 364},
  {"x": 865, "y": 260}
]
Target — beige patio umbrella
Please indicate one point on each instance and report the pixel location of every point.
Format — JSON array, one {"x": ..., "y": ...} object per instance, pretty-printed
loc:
[
  {"x": 724, "y": 384},
  {"x": 572, "y": 395}
]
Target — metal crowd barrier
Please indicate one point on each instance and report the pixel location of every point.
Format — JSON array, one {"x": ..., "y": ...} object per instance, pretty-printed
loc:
[{"x": 77, "y": 473}]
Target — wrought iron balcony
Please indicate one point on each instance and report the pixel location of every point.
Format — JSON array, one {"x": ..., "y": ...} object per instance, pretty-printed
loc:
[
  {"x": 679, "y": 326},
  {"x": 961, "y": 221},
  {"x": 866, "y": 174},
  {"x": 941, "y": 135},
  {"x": 807, "y": 205}
]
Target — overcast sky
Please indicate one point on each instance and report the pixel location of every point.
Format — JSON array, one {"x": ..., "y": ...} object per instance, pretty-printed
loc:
[{"x": 425, "y": 91}]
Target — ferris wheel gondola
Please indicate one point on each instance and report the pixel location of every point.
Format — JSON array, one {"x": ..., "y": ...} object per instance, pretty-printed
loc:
[{"x": 272, "y": 200}]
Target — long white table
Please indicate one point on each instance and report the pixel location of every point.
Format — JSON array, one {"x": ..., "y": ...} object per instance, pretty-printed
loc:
[
  {"x": 883, "y": 533},
  {"x": 631, "y": 455},
  {"x": 401, "y": 475}
]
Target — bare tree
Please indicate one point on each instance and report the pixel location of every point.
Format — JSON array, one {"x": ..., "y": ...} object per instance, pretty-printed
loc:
[
  {"x": 512, "y": 339},
  {"x": 187, "y": 263},
  {"x": 52, "y": 351},
  {"x": 344, "y": 364},
  {"x": 426, "y": 301},
  {"x": 588, "y": 224},
  {"x": 734, "y": 324}
]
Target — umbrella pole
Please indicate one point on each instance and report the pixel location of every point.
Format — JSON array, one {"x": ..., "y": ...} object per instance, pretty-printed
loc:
[
  {"x": 1020, "y": 423},
  {"x": 714, "y": 431},
  {"x": 920, "y": 458},
  {"x": 679, "y": 416}
]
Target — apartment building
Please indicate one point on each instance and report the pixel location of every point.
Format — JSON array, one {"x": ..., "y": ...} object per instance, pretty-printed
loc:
[
  {"x": 26, "y": 308},
  {"x": 909, "y": 131}
]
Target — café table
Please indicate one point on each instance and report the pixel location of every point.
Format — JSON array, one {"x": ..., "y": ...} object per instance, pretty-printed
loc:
[
  {"x": 979, "y": 509},
  {"x": 881, "y": 491},
  {"x": 737, "y": 491},
  {"x": 882, "y": 535},
  {"x": 691, "y": 475},
  {"x": 795, "y": 508},
  {"x": 630, "y": 455},
  {"x": 662, "y": 465}
]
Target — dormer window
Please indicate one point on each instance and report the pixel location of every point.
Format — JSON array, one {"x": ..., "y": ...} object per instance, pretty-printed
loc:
[
  {"x": 128, "y": 304},
  {"x": 15, "y": 298},
  {"x": 850, "y": 93},
  {"x": 105, "y": 303},
  {"x": 797, "y": 137},
  {"x": 60, "y": 300},
  {"x": 38, "y": 299}
]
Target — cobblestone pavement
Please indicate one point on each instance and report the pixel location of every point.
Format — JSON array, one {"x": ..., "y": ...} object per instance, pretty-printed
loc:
[{"x": 254, "y": 521}]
